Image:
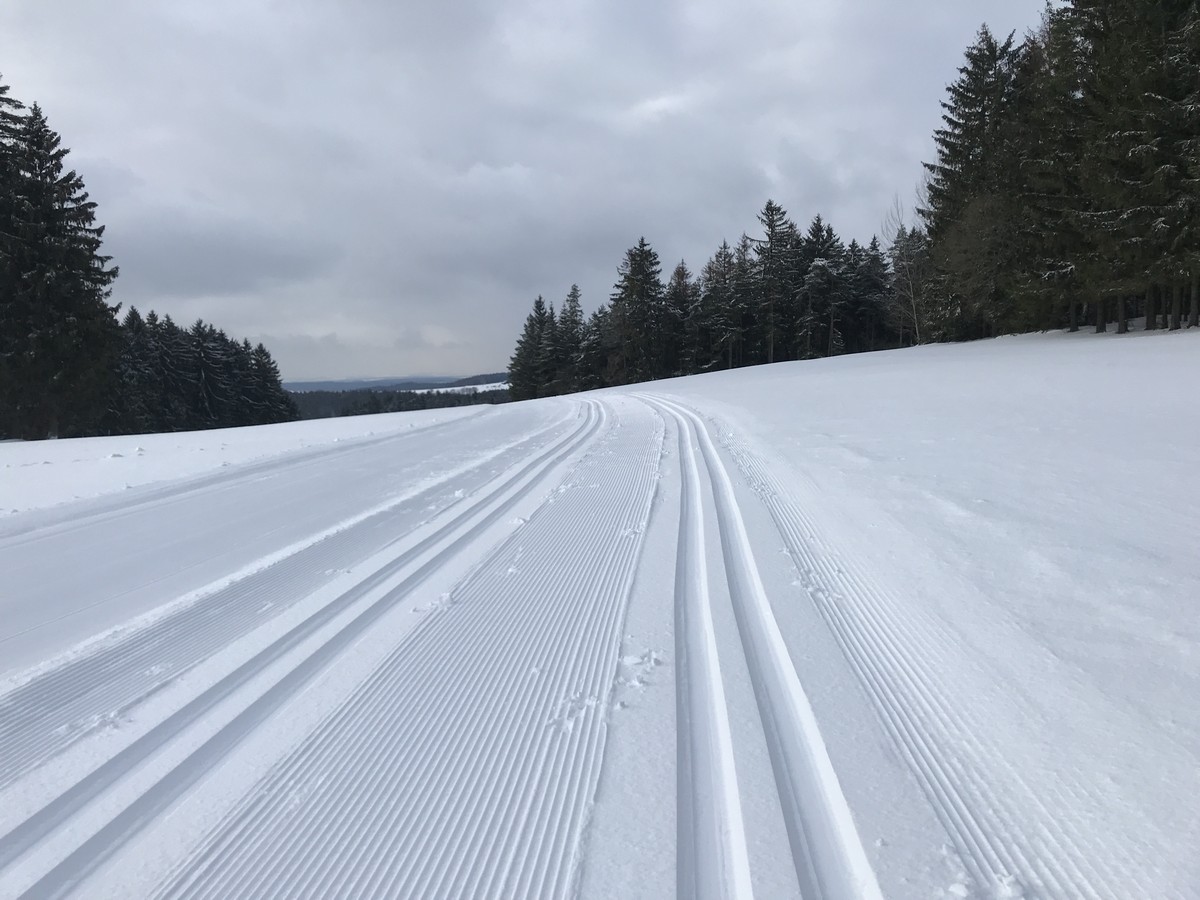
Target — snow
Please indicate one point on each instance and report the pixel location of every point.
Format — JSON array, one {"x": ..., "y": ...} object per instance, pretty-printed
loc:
[
  {"x": 910, "y": 624},
  {"x": 91, "y": 467}
]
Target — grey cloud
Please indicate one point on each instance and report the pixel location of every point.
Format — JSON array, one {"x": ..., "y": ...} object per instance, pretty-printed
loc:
[
  {"x": 164, "y": 256},
  {"x": 376, "y": 187}
]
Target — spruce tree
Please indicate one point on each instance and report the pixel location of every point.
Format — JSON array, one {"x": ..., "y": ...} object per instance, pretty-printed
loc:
[
  {"x": 597, "y": 347},
  {"x": 636, "y": 307},
  {"x": 718, "y": 321},
  {"x": 970, "y": 197},
  {"x": 679, "y": 300},
  {"x": 58, "y": 336},
  {"x": 523, "y": 374},
  {"x": 743, "y": 332},
  {"x": 776, "y": 254},
  {"x": 570, "y": 341},
  {"x": 549, "y": 356},
  {"x": 279, "y": 406}
]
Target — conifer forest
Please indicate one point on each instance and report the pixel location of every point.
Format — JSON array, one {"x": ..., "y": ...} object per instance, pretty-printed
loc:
[
  {"x": 1064, "y": 193},
  {"x": 69, "y": 366}
]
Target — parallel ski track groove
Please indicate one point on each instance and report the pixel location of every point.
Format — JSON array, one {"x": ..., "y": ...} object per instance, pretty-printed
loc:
[
  {"x": 831, "y": 862},
  {"x": 54, "y": 710},
  {"x": 483, "y": 687},
  {"x": 939, "y": 743},
  {"x": 712, "y": 857},
  {"x": 69, "y": 872}
]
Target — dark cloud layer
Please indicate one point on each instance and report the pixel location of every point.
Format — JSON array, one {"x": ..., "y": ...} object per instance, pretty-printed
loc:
[{"x": 377, "y": 188}]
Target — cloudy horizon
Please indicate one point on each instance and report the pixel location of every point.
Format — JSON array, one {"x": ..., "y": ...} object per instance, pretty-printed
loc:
[{"x": 376, "y": 191}]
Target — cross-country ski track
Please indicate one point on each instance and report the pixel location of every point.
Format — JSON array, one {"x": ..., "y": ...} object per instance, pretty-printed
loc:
[{"x": 610, "y": 645}]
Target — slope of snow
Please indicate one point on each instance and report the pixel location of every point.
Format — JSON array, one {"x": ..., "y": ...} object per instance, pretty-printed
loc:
[
  {"x": 913, "y": 624},
  {"x": 77, "y": 469}
]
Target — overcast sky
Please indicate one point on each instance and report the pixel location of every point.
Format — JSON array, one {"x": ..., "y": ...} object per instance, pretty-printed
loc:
[{"x": 381, "y": 187}]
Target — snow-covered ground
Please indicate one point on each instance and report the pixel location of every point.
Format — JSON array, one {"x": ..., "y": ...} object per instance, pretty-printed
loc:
[
  {"x": 917, "y": 624},
  {"x": 89, "y": 468}
]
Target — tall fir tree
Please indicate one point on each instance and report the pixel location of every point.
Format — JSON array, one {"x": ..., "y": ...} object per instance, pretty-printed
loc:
[
  {"x": 59, "y": 341},
  {"x": 636, "y": 307},
  {"x": 523, "y": 374},
  {"x": 570, "y": 341},
  {"x": 777, "y": 264},
  {"x": 970, "y": 199}
]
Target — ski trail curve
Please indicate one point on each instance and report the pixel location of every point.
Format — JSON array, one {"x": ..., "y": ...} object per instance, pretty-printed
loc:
[
  {"x": 465, "y": 765},
  {"x": 449, "y": 541},
  {"x": 831, "y": 862}
]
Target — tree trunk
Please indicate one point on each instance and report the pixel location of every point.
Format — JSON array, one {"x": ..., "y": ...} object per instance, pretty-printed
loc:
[
  {"x": 1152, "y": 308},
  {"x": 1194, "y": 312},
  {"x": 1122, "y": 321},
  {"x": 1101, "y": 316},
  {"x": 1074, "y": 308},
  {"x": 1177, "y": 307}
]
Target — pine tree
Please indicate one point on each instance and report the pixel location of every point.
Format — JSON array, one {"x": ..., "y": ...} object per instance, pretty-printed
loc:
[
  {"x": 679, "y": 299},
  {"x": 776, "y": 254},
  {"x": 970, "y": 197},
  {"x": 718, "y": 321},
  {"x": 597, "y": 346},
  {"x": 549, "y": 355},
  {"x": 635, "y": 307},
  {"x": 134, "y": 398},
  {"x": 1045, "y": 144},
  {"x": 744, "y": 334},
  {"x": 1118, "y": 152},
  {"x": 523, "y": 374},
  {"x": 278, "y": 404},
  {"x": 871, "y": 286},
  {"x": 570, "y": 341},
  {"x": 58, "y": 335}
]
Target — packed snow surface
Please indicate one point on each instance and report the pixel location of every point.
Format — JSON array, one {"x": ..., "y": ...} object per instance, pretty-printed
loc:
[{"x": 916, "y": 624}]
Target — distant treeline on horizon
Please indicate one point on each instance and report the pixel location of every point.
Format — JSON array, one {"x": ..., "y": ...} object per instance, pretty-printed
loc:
[{"x": 369, "y": 401}]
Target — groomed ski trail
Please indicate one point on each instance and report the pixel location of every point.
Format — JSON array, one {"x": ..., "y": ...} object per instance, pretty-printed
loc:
[
  {"x": 827, "y": 852},
  {"x": 1017, "y": 836},
  {"x": 69, "y": 702},
  {"x": 334, "y": 626},
  {"x": 466, "y": 764}
]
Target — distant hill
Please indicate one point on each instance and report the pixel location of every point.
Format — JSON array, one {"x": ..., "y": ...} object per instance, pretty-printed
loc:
[
  {"x": 490, "y": 378},
  {"x": 398, "y": 383}
]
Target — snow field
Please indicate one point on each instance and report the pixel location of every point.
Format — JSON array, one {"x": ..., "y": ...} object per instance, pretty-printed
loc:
[
  {"x": 41, "y": 474},
  {"x": 820, "y": 630},
  {"x": 463, "y": 767},
  {"x": 62, "y": 813}
]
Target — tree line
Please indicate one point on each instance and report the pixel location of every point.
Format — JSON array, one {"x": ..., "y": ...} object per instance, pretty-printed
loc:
[
  {"x": 1066, "y": 187},
  {"x": 369, "y": 401},
  {"x": 68, "y": 366},
  {"x": 790, "y": 294},
  {"x": 1065, "y": 191}
]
